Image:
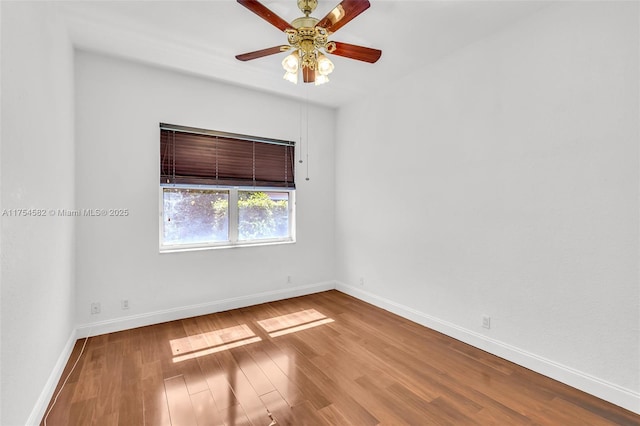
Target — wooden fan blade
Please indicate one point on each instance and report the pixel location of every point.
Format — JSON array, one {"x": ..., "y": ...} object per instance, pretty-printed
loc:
[
  {"x": 360, "y": 53},
  {"x": 342, "y": 13},
  {"x": 265, "y": 13},
  {"x": 308, "y": 75},
  {"x": 260, "y": 53}
]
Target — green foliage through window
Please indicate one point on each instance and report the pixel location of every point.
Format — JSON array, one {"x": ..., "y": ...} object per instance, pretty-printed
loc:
[{"x": 262, "y": 215}]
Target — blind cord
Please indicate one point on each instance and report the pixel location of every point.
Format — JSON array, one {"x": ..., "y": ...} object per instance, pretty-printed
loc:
[
  {"x": 216, "y": 149},
  {"x": 173, "y": 156}
]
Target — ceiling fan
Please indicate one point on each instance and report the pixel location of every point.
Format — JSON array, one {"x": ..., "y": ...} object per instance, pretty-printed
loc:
[{"x": 308, "y": 38}]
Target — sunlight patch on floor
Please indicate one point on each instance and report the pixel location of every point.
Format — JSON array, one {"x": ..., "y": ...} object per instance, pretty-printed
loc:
[
  {"x": 214, "y": 341},
  {"x": 291, "y": 323}
]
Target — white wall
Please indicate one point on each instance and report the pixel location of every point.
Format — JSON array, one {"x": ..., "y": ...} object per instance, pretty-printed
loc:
[
  {"x": 512, "y": 193},
  {"x": 119, "y": 105},
  {"x": 38, "y": 302}
]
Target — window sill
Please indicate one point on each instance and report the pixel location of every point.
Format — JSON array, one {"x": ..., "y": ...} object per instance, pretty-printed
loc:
[{"x": 179, "y": 249}]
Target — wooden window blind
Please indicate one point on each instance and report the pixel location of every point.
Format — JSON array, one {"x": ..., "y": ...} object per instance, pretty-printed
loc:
[{"x": 206, "y": 157}]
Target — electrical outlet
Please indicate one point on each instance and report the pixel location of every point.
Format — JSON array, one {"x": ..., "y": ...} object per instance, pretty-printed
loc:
[
  {"x": 361, "y": 282},
  {"x": 124, "y": 304},
  {"x": 95, "y": 308},
  {"x": 288, "y": 279},
  {"x": 486, "y": 321}
]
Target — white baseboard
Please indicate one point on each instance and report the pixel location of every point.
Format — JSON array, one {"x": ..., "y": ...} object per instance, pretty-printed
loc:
[
  {"x": 38, "y": 412},
  {"x": 150, "y": 318},
  {"x": 610, "y": 392}
]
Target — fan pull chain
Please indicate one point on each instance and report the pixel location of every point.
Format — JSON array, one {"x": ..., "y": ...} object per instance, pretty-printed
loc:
[
  {"x": 300, "y": 126},
  {"x": 307, "y": 108}
]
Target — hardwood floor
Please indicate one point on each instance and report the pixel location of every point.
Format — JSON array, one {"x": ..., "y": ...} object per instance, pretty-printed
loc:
[{"x": 323, "y": 359}]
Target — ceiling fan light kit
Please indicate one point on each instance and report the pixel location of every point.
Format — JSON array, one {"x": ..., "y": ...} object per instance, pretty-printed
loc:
[{"x": 308, "y": 38}]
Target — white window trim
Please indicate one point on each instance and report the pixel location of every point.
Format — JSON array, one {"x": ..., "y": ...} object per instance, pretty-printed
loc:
[{"x": 233, "y": 221}]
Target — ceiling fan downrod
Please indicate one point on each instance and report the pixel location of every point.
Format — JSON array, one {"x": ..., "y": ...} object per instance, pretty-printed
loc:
[{"x": 307, "y": 6}]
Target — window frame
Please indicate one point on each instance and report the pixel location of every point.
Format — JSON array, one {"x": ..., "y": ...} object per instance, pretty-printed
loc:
[{"x": 233, "y": 241}]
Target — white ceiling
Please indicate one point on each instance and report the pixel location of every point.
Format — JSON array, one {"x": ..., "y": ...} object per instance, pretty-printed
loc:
[{"x": 203, "y": 37}]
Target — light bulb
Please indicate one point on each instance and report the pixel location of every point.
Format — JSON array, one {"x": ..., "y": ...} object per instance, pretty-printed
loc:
[
  {"x": 291, "y": 62},
  {"x": 321, "y": 79},
  {"x": 291, "y": 76},
  {"x": 325, "y": 66}
]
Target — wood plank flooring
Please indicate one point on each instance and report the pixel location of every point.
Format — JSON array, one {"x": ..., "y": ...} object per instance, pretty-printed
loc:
[{"x": 323, "y": 359}]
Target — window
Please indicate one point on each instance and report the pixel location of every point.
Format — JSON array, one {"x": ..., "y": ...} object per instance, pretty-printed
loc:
[
  {"x": 194, "y": 216},
  {"x": 223, "y": 190}
]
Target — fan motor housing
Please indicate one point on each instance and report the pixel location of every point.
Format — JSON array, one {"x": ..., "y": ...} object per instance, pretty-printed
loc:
[{"x": 304, "y": 22}]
